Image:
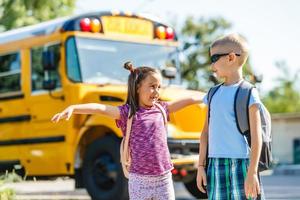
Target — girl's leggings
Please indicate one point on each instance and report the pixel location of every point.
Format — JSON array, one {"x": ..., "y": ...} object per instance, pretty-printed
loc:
[{"x": 143, "y": 187}]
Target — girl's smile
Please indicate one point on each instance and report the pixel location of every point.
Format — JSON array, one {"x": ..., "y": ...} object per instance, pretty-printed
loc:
[{"x": 148, "y": 90}]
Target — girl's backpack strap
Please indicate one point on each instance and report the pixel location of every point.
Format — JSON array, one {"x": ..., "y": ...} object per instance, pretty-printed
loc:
[
  {"x": 162, "y": 110},
  {"x": 124, "y": 148},
  {"x": 129, "y": 124},
  {"x": 125, "y": 155}
]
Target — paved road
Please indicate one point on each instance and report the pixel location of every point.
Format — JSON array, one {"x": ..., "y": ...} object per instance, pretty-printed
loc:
[{"x": 276, "y": 187}]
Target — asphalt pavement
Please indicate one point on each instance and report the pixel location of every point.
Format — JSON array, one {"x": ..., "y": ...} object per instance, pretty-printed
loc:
[{"x": 280, "y": 183}]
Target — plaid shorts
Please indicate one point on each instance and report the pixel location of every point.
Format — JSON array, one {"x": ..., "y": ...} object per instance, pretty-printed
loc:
[{"x": 226, "y": 177}]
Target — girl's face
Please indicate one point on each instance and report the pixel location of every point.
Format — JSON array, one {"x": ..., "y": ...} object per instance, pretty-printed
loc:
[{"x": 148, "y": 90}]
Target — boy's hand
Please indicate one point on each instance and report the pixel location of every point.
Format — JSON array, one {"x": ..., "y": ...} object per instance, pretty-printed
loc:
[
  {"x": 201, "y": 179},
  {"x": 252, "y": 188},
  {"x": 67, "y": 113}
]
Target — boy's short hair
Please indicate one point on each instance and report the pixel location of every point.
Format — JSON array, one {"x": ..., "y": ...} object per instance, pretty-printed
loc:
[{"x": 235, "y": 43}]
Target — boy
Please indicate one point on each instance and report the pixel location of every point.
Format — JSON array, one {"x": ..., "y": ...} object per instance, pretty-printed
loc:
[{"x": 232, "y": 169}]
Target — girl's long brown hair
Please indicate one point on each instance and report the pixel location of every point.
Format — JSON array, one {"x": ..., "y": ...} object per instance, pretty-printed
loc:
[{"x": 137, "y": 75}]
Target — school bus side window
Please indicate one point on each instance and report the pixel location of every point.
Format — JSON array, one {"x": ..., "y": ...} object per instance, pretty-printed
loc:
[
  {"x": 10, "y": 73},
  {"x": 37, "y": 72}
]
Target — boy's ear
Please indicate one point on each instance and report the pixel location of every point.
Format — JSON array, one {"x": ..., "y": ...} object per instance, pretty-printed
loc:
[{"x": 232, "y": 56}]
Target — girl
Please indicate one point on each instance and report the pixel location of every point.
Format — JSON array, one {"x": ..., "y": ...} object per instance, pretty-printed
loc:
[{"x": 150, "y": 170}]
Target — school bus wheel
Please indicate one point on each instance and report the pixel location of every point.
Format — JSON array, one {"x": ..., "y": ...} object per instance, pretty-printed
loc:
[{"x": 101, "y": 170}]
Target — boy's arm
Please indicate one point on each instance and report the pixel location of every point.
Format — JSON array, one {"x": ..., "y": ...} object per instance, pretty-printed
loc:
[
  {"x": 252, "y": 185},
  {"x": 256, "y": 138},
  {"x": 201, "y": 174},
  {"x": 181, "y": 103},
  {"x": 203, "y": 145},
  {"x": 89, "y": 108}
]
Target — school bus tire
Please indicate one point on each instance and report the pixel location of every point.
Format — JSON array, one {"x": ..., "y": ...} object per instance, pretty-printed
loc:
[
  {"x": 193, "y": 189},
  {"x": 102, "y": 172},
  {"x": 78, "y": 178}
]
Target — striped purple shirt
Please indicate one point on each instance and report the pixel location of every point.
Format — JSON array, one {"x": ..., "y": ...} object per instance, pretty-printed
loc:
[{"x": 148, "y": 140}]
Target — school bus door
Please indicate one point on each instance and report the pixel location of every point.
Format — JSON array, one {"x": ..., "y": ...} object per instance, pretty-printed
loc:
[
  {"x": 13, "y": 113},
  {"x": 47, "y": 152}
]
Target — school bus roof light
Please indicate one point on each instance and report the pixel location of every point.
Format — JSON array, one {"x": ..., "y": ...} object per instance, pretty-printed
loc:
[
  {"x": 160, "y": 32},
  {"x": 128, "y": 13},
  {"x": 169, "y": 33},
  {"x": 95, "y": 26},
  {"x": 90, "y": 25},
  {"x": 115, "y": 12},
  {"x": 85, "y": 24}
]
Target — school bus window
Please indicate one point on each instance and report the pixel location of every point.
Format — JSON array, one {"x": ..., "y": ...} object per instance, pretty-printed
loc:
[
  {"x": 10, "y": 73},
  {"x": 73, "y": 68},
  {"x": 37, "y": 72},
  {"x": 100, "y": 61}
]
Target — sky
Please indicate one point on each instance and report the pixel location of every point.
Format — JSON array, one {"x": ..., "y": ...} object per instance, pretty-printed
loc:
[{"x": 272, "y": 27}]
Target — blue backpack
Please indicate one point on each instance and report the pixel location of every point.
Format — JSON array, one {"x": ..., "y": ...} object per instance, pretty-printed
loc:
[{"x": 241, "y": 105}]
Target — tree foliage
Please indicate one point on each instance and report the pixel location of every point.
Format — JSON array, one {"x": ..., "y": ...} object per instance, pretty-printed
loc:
[
  {"x": 18, "y": 13},
  {"x": 285, "y": 97},
  {"x": 197, "y": 36}
]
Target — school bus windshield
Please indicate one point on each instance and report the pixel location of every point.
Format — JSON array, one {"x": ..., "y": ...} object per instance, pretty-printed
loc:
[{"x": 100, "y": 61}]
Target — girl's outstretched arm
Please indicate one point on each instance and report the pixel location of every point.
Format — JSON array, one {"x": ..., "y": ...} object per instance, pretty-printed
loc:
[
  {"x": 89, "y": 108},
  {"x": 181, "y": 103}
]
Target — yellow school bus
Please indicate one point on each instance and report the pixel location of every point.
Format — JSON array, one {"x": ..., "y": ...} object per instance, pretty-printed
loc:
[{"x": 48, "y": 66}]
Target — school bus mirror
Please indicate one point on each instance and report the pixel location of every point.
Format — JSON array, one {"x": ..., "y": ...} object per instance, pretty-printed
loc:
[
  {"x": 49, "y": 84},
  {"x": 169, "y": 72},
  {"x": 49, "y": 60},
  {"x": 258, "y": 78}
]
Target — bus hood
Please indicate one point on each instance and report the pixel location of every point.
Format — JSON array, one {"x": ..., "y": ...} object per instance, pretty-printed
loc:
[{"x": 188, "y": 122}]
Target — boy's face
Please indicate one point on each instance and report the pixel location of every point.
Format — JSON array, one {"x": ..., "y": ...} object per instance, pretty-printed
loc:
[{"x": 224, "y": 61}]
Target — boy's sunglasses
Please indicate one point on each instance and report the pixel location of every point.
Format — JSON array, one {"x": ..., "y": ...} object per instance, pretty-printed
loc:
[{"x": 214, "y": 58}]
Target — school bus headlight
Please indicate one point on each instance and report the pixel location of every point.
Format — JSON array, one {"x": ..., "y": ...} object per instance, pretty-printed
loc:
[
  {"x": 85, "y": 24},
  {"x": 160, "y": 32},
  {"x": 95, "y": 26}
]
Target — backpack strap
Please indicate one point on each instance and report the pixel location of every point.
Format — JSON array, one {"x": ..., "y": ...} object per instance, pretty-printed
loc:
[
  {"x": 125, "y": 157},
  {"x": 162, "y": 110},
  {"x": 128, "y": 131},
  {"x": 241, "y": 107},
  {"x": 210, "y": 94},
  {"x": 129, "y": 124}
]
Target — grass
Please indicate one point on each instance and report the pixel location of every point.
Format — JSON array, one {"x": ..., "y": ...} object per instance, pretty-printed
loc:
[{"x": 8, "y": 193}]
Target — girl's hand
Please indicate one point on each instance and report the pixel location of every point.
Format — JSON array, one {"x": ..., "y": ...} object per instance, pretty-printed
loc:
[
  {"x": 201, "y": 179},
  {"x": 252, "y": 188},
  {"x": 67, "y": 113}
]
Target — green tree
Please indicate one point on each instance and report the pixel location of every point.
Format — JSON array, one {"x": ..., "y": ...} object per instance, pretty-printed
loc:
[
  {"x": 18, "y": 13},
  {"x": 284, "y": 98},
  {"x": 197, "y": 36}
]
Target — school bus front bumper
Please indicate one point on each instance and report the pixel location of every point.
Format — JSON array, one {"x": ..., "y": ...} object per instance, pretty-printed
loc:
[
  {"x": 184, "y": 156},
  {"x": 184, "y": 151}
]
